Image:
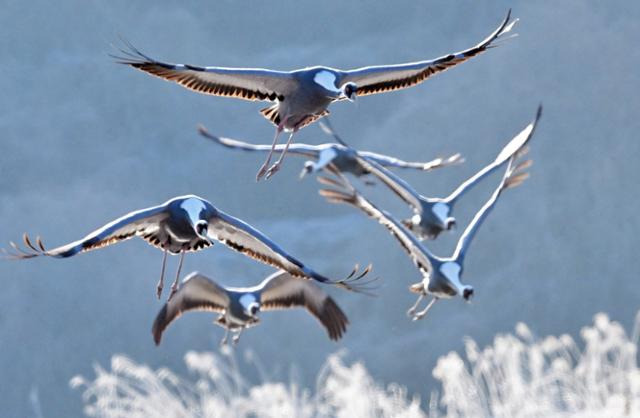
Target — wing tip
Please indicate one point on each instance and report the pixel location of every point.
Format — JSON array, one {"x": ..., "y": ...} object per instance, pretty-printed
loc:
[
  {"x": 354, "y": 284},
  {"x": 337, "y": 320},
  {"x": 31, "y": 249},
  {"x": 505, "y": 27},
  {"x": 204, "y": 132},
  {"x": 538, "y": 113},
  {"x": 159, "y": 325}
]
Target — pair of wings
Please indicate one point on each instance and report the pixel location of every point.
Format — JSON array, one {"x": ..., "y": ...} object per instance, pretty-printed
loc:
[
  {"x": 279, "y": 291},
  {"x": 317, "y": 151},
  {"x": 414, "y": 199},
  {"x": 224, "y": 228},
  {"x": 264, "y": 84}
]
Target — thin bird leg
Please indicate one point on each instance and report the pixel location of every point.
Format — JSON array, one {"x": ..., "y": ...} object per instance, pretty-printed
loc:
[
  {"x": 174, "y": 286},
  {"x": 263, "y": 168},
  {"x": 423, "y": 312},
  {"x": 236, "y": 337},
  {"x": 412, "y": 309},
  {"x": 275, "y": 167},
  {"x": 225, "y": 339},
  {"x": 161, "y": 282}
]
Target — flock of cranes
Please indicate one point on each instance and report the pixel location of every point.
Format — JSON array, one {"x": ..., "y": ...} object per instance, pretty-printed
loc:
[{"x": 190, "y": 223}]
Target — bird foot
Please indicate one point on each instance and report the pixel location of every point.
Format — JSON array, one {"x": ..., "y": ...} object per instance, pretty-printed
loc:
[
  {"x": 159, "y": 290},
  {"x": 418, "y": 317},
  {"x": 411, "y": 312},
  {"x": 272, "y": 170},
  {"x": 262, "y": 171},
  {"x": 224, "y": 341},
  {"x": 235, "y": 339}
]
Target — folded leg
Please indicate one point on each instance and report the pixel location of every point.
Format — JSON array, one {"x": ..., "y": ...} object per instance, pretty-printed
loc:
[
  {"x": 276, "y": 166},
  {"x": 423, "y": 312},
  {"x": 263, "y": 169},
  {"x": 412, "y": 309}
]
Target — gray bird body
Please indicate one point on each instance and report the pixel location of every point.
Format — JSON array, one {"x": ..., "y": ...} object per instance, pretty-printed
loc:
[
  {"x": 332, "y": 156},
  {"x": 238, "y": 307},
  {"x": 432, "y": 216},
  {"x": 302, "y": 96},
  {"x": 307, "y": 97},
  {"x": 183, "y": 224}
]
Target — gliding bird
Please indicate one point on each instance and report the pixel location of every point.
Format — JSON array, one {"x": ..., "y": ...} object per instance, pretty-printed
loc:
[
  {"x": 302, "y": 96},
  {"x": 183, "y": 224},
  {"x": 239, "y": 306},
  {"x": 432, "y": 215},
  {"x": 441, "y": 276},
  {"x": 333, "y": 156}
]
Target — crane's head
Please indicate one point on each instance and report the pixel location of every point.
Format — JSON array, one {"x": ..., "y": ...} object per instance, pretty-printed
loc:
[
  {"x": 309, "y": 167},
  {"x": 349, "y": 91},
  {"x": 250, "y": 305}
]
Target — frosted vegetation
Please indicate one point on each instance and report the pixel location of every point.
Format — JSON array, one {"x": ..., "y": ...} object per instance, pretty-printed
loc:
[{"x": 517, "y": 376}]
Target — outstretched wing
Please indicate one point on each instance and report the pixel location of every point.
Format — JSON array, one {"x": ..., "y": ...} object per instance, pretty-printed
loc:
[
  {"x": 397, "y": 185},
  {"x": 242, "y": 83},
  {"x": 520, "y": 141},
  {"x": 387, "y": 161},
  {"x": 307, "y": 150},
  {"x": 513, "y": 177},
  {"x": 197, "y": 293},
  {"x": 142, "y": 222},
  {"x": 384, "y": 78},
  {"x": 514, "y": 147},
  {"x": 282, "y": 291},
  {"x": 349, "y": 195},
  {"x": 243, "y": 238}
]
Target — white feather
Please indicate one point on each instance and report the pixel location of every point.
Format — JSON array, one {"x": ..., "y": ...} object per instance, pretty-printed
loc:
[
  {"x": 441, "y": 210},
  {"x": 327, "y": 80},
  {"x": 193, "y": 207},
  {"x": 246, "y": 300}
]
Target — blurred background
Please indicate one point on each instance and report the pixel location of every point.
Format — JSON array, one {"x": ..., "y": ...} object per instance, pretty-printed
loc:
[{"x": 85, "y": 140}]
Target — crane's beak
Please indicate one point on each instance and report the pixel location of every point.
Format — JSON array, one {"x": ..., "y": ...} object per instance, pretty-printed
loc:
[{"x": 308, "y": 166}]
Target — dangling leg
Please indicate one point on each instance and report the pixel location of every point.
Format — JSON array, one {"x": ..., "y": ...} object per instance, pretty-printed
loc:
[
  {"x": 423, "y": 312},
  {"x": 161, "y": 281},
  {"x": 275, "y": 167},
  {"x": 225, "y": 339},
  {"x": 174, "y": 286},
  {"x": 237, "y": 336},
  {"x": 412, "y": 309},
  {"x": 263, "y": 169}
]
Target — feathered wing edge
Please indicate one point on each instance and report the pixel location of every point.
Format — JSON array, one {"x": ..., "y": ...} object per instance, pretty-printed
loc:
[
  {"x": 282, "y": 291},
  {"x": 197, "y": 293}
]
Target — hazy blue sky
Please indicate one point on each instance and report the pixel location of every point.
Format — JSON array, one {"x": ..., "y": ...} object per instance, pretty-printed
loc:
[{"x": 85, "y": 141}]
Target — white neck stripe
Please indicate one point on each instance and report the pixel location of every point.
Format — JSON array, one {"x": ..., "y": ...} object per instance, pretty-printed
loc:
[{"x": 327, "y": 80}]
